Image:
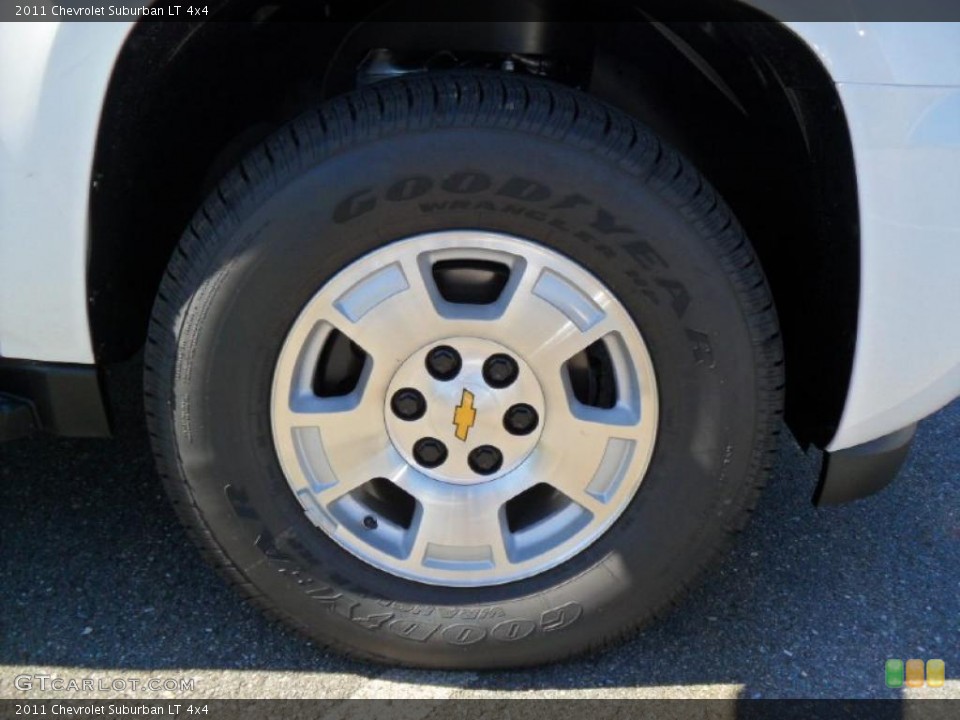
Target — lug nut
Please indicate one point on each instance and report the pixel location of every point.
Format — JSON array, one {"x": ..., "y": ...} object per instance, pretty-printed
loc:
[
  {"x": 520, "y": 419},
  {"x": 500, "y": 370},
  {"x": 443, "y": 362},
  {"x": 485, "y": 460},
  {"x": 429, "y": 452},
  {"x": 408, "y": 404}
]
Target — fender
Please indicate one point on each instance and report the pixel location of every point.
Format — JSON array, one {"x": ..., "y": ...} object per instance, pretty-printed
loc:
[{"x": 53, "y": 79}]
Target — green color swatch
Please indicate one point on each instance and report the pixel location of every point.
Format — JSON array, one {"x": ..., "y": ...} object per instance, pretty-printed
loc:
[{"x": 894, "y": 673}]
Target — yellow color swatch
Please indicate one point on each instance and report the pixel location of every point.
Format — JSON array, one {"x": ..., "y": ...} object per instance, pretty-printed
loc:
[
  {"x": 936, "y": 673},
  {"x": 914, "y": 673}
]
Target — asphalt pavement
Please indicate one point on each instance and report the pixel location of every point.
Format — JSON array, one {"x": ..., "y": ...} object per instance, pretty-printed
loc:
[{"x": 99, "y": 582}]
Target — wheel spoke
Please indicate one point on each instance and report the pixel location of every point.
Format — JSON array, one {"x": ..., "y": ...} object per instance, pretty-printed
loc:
[
  {"x": 549, "y": 320},
  {"x": 584, "y": 454},
  {"x": 353, "y": 444},
  {"x": 389, "y": 312},
  {"x": 340, "y": 441},
  {"x": 463, "y": 532}
]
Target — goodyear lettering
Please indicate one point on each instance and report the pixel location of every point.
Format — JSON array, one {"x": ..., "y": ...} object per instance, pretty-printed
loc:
[
  {"x": 412, "y": 629},
  {"x": 560, "y": 617},
  {"x": 463, "y": 634},
  {"x": 513, "y": 630}
]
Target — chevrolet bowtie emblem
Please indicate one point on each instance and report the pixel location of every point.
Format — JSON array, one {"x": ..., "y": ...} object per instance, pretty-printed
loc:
[{"x": 465, "y": 415}]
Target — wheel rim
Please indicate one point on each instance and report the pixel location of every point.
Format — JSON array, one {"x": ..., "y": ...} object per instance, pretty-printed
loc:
[{"x": 527, "y": 464}]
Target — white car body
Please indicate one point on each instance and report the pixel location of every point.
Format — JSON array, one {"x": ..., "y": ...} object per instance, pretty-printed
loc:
[{"x": 900, "y": 88}]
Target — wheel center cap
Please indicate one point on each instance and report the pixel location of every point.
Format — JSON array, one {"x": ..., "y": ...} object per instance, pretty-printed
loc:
[{"x": 464, "y": 410}]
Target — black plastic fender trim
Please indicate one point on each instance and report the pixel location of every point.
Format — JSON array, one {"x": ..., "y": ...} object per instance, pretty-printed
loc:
[
  {"x": 862, "y": 470},
  {"x": 66, "y": 399}
]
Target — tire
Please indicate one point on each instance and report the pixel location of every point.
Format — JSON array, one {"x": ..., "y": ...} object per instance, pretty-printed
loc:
[{"x": 480, "y": 153}]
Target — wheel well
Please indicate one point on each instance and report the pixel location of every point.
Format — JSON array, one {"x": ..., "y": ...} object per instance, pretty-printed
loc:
[{"x": 747, "y": 101}]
